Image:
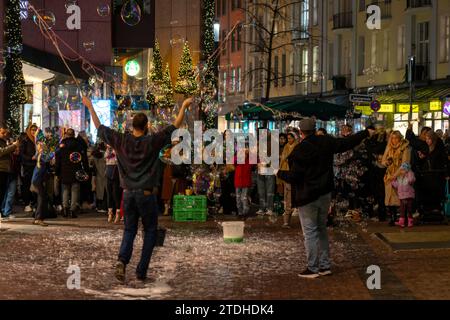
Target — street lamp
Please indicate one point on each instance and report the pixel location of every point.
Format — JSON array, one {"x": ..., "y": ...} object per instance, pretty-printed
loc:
[{"x": 411, "y": 69}]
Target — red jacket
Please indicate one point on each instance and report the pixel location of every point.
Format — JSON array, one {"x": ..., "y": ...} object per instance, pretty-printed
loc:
[{"x": 243, "y": 174}]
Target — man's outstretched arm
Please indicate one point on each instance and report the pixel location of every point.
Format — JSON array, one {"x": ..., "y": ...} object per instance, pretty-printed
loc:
[
  {"x": 88, "y": 103},
  {"x": 180, "y": 118}
]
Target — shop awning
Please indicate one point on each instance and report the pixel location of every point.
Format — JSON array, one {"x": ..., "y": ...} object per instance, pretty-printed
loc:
[
  {"x": 298, "y": 108},
  {"x": 424, "y": 94}
]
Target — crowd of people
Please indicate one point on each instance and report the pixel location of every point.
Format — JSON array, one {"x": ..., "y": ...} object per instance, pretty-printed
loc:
[{"x": 55, "y": 172}]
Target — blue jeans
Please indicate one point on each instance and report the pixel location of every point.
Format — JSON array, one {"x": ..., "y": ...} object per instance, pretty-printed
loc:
[
  {"x": 8, "y": 200},
  {"x": 266, "y": 191},
  {"x": 242, "y": 201},
  {"x": 313, "y": 218},
  {"x": 138, "y": 205}
]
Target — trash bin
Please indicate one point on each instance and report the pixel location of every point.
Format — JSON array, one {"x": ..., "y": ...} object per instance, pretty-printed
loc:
[{"x": 233, "y": 231}]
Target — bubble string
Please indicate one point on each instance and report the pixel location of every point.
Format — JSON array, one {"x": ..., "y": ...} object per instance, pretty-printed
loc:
[{"x": 55, "y": 38}]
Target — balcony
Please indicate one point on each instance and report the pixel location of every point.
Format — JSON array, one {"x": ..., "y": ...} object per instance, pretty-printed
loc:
[
  {"x": 413, "y": 4},
  {"x": 385, "y": 6},
  {"x": 300, "y": 35},
  {"x": 343, "y": 20}
]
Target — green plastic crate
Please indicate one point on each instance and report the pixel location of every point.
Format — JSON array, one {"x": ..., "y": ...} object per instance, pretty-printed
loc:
[
  {"x": 193, "y": 215},
  {"x": 189, "y": 203}
]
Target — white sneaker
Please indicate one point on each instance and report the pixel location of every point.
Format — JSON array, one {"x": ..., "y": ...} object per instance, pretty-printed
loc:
[
  {"x": 28, "y": 209},
  {"x": 295, "y": 213},
  {"x": 260, "y": 212},
  {"x": 269, "y": 213}
]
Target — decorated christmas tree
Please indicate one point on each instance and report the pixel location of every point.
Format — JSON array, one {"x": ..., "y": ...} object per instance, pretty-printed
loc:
[
  {"x": 156, "y": 76},
  {"x": 208, "y": 43},
  {"x": 167, "y": 89},
  {"x": 186, "y": 83},
  {"x": 157, "y": 71},
  {"x": 15, "y": 83}
]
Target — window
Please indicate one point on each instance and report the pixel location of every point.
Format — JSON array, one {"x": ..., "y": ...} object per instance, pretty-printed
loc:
[
  {"x": 330, "y": 60},
  {"x": 224, "y": 7},
  {"x": 238, "y": 79},
  {"x": 362, "y": 5},
  {"x": 305, "y": 64},
  {"x": 315, "y": 12},
  {"x": 224, "y": 81},
  {"x": 283, "y": 70},
  {"x": 386, "y": 50},
  {"x": 347, "y": 58},
  {"x": 315, "y": 76},
  {"x": 401, "y": 47},
  {"x": 423, "y": 43},
  {"x": 361, "y": 55},
  {"x": 250, "y": 77},
  {"x": 233, "y": 41},
  {"x": 239, "y": 37},
  {"x": 291, "y": 67},
  {"x": 218, "y": 7},
  {"x": 224, "y": 43},
  {"x": 445, "y": 39},
  {"x": 304, "y": 18},
  {"x": 233, "y": 80},
  {"x": 275, "y": 71},
  {"x": 373, "y": 55}
]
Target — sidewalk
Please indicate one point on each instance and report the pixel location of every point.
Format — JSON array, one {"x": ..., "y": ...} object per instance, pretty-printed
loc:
[{"x": 195, "y": 263}]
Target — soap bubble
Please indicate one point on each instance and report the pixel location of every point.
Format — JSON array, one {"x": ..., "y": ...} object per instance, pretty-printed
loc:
[
  {"x": 88, "y": 45},
  {"x": 131, "y": 13},
  {"x": 103, "y": 10},
  {"x": 47, "y": 16}
]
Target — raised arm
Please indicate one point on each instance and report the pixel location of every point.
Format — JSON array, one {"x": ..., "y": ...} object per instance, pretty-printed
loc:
[
  {"x": 180, "y": 118},
  {"x": 88, "y": 103}
]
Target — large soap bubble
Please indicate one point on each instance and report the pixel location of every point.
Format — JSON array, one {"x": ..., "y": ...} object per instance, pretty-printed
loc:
[{"x": 131, "y": 13}]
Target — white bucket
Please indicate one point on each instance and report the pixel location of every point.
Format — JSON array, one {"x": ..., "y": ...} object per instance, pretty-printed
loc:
[{"x": 233, "y": 231}]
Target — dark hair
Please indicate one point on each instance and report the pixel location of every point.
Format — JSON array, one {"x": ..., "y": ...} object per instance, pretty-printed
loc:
[
  {"x": 323, "y": 130},
  {"x": 282, "y": 135},
  {"x": 308, "y": 132},
  {"x": 425, "y": 129},
  {"x": 70, "y": 133},
  {"x": 140, "y": 121}
]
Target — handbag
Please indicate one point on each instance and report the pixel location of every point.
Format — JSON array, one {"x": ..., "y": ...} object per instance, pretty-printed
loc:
[
  {"x": 447, "y": 200},
  {"x": 81, "y": 175}
]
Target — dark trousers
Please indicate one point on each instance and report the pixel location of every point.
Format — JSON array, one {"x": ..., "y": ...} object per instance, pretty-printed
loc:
[
  {"x": 114, "y": 193},
  {"x": 138, "y": 205},
  {"x": 3, "y": 184},
  {"x": 42, "y": 201},
  {"x": 406, "y": 207},
  {"x": 27, "y": 196}
]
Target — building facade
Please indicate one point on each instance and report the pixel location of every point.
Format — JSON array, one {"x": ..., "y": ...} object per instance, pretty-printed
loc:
[{"x": 326, "y": 49}]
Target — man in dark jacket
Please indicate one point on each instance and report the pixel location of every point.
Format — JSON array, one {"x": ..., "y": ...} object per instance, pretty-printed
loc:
[
  {"x": 312, "y": 181},
  {"x": 71, "y": 161}
]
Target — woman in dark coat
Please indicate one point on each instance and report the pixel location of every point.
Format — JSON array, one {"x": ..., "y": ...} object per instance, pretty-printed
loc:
[
  {"x": 432, "y": 171},
  {"x": 28, "y": 162}
]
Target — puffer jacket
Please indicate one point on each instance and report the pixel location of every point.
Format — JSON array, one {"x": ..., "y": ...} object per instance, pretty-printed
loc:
[
  {"x": 5, "y": 156},
  {"x": 311, "y": 166}
]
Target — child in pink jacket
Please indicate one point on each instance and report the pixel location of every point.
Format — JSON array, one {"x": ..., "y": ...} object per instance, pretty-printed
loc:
[{"x": 403, "y": 182}]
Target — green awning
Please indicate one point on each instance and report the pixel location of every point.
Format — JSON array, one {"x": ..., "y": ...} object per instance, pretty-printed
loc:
[
  {"x": 424, "y": 94},
  {"x": 298, "y": 109}
]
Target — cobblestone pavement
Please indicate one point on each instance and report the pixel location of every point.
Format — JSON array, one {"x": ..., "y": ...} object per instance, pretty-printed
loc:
[{"x": 196, "y": 264}]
